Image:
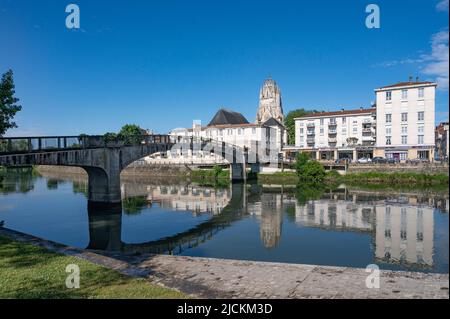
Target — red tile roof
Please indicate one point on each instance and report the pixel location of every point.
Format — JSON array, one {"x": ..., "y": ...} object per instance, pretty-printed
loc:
[{"x": 400, "y": 84}]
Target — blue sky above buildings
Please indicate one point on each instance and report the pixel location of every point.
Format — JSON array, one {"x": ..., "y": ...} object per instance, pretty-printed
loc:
[{"x": 162, "y": 64}]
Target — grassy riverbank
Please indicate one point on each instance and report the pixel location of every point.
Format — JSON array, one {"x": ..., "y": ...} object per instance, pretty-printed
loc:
[
  {"x": 27, "y": 271},
  {"x": 416, "y": 179}
]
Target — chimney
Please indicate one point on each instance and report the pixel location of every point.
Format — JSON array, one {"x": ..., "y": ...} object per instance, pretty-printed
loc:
[
  {"x": 342, "y": 110},
  {"x": 361, "y": 108},
  {"x": 410, "y": 78},
  {"x": 417, "y": 79}
]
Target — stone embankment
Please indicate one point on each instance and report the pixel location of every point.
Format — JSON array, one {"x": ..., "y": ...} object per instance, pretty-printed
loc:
[
  {"x": 422, "y": 168},
  {"x": 222, "y": 278}
]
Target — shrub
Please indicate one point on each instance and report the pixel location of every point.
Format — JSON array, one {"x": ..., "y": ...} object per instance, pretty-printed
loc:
[{"x": 312, "y": 171}]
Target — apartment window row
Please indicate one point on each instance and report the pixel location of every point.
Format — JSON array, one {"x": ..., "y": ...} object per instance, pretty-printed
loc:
[
  {"x": 421, "y": 94},
  {"x": 228, "y": 132},
  {"x": 404, "y": 117},
  {"x": 404, "y": 139}
]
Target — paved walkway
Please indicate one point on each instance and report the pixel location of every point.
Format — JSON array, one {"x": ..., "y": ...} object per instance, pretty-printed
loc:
[{"x": 221, "y": 278}]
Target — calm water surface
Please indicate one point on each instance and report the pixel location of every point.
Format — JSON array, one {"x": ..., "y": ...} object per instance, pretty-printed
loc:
[{"x": 340, "y": 227}]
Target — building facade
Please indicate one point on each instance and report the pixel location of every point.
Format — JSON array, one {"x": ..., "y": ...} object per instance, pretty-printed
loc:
[
  {"x": 405, "y": 120},
  {"x": 267, "y": 133},
  {"x": 441, "y": 136},
  {"x": 333, "y": 135}
]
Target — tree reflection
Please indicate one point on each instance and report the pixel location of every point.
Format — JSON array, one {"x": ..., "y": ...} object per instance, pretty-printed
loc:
[{"x": 17, "y": 180}]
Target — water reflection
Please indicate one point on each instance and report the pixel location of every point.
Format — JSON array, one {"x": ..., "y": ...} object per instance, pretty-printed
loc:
[{"x": 339, "y": 226}]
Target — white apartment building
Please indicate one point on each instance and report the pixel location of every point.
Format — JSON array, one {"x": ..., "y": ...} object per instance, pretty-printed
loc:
[
  {"x": 405, "y": 120},
  {"x": 340, "y": 134}
]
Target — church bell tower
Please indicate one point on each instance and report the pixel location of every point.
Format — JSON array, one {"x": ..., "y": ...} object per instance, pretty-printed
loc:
[{"x": 270, "y": 105}]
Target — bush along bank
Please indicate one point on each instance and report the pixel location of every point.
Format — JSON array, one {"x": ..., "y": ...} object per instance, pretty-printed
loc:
[
  {"x": 390, "y": 178},
  {"x": 211, "y": 177}
]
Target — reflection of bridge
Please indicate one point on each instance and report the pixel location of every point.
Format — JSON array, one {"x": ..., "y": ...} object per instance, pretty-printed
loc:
[
  {"x": 104, "y": 159},
  {"x": 105, "y": 228}
]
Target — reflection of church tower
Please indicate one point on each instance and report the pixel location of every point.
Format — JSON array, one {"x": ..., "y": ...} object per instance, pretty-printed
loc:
[
  {"x": 270, "y": 105},
  {"x": 271, "y": 219}
]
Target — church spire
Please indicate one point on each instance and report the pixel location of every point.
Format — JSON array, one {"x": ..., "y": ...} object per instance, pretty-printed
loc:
[{"x": 270, "y": 105}]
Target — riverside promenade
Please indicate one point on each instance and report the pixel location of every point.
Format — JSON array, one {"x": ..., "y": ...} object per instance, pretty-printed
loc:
[{"x": 222, "y": 278}]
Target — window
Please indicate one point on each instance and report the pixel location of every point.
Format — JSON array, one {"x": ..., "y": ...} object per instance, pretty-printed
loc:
[
  {"x": 404, "y": 94},
  {"x": 301, "y": 131},
  {"x": 403, "y": 156},
  {"x": 421, "y": 93},
  {"x": 404, "y": 117},
  {"x": 301, "y": 124},
  {"x": 321, "y": 131},
  {"x": 355, "y": 130},
  {"x": 301, "y": 138},
  {"x": 388, "y": 118},
  {"x": 220, "y": 132},
  {"x": 333, "y": 121},
  {"x": 421, "y": 116},
  {"x": 344, "y": 120},
  {"x": 420, "y": 128},
  {"x": 388, "y": 131},
  {"x": 254, "y": 130},
  {"x": 344, "y": 131},
  {"x": 239, "y": 131},
  {"x": 388, "y": 95},
  {"x": 321, "y": 121},
  {"x": 388, "y": 140},
  {"x": 404, "y": 139},
  {"x": 420, "y": 139},
  {"x": 404, "y": 130}
]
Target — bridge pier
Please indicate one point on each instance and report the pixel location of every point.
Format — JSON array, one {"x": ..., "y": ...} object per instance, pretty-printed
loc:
[
  {"x": 104, "y": 187},
  {"x": 237, "y": 172}
]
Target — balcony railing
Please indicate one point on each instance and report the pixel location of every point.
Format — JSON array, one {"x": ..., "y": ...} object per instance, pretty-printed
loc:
[
  {"x": 310, "y": 125},
  {"x": 332, "y": 140},
  {"x": 332, "y": 132}
]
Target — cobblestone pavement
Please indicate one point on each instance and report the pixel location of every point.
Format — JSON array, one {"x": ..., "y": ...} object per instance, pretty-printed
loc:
[
  {"x": 223, "y": 278},
  {"x": 220, "y": 278}
]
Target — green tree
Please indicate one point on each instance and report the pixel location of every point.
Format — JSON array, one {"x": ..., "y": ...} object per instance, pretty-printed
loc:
[
  {"x": 312, "y": 171},
  {"x": 131, "y": 133},
  {"x": 289, "y": 122},
  {"x": 300, "y": 161},
  {"x": 8, "y": 103}
]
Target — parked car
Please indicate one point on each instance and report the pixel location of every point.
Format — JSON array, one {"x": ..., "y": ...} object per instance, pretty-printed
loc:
[
  {"x": 417, "y": 160},
  {"x": 379, "y": 160},
  {"x": 392, "y": 160},
  {"x": 364, "y": 160},
  {"x": 342, "y": 161}
]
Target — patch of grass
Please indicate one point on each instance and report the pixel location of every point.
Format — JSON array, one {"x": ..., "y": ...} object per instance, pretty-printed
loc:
[
  {"x": 27, "y": 271},
  {"x": 279, "y": 178},
  {"x": 395, "y": 178}
]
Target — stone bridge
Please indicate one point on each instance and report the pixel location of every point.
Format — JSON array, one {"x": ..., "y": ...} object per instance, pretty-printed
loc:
[{"x": 104, "y": 158}]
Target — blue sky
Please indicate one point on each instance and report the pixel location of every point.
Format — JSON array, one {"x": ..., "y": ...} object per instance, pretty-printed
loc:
[{"x": 162, "y": 64}]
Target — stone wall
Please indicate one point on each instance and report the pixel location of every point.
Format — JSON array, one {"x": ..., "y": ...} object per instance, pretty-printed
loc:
[
  {"x": 399, "y": 168},
  {"x": 135, "y": 172}
]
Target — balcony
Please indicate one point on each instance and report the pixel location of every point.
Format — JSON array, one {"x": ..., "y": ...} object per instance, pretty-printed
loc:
[
  {"x": 310, "y": 140},
  {"x": 367, "y": 130},
  {"x": 331, "y": 124},
  {"x": 332, "y": 132},
  {"x": 310, "y": 125},
  {"x": 332, "y": 140},
  {"x": 367, "y": 138},
  {"x": 311, "y": 133}
]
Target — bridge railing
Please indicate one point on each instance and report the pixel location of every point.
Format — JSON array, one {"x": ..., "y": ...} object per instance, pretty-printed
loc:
[{"x": 32, "y": 144}]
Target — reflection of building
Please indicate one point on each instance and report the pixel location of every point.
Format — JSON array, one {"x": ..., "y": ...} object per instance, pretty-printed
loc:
[
  {"x": 404, "y": 234},
  {"x": 403, "y": 230},
  {"x": 341, "y": 215},
  {"x": 270, "y": 212},
  {"x": 184, "y": 198}
]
